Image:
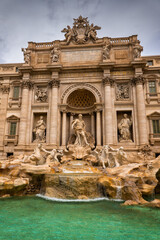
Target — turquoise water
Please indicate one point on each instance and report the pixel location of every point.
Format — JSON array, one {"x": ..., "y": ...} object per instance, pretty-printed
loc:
[{"x": 24, "y": 218}]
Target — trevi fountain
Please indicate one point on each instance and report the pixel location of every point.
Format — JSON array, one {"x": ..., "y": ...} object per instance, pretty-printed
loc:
[{"x": 79, "y": 142}]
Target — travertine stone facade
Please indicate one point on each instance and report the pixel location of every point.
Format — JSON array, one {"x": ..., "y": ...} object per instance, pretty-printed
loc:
[{"x": 101, "y": 78}]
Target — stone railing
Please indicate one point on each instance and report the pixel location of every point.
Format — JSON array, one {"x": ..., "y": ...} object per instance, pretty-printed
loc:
[
  {"x": 152, "y": 97},
  {"x": 33, "y": 45},
  {"x": 123, "y": 40},
  {"x": 11, "y": 139},
  {"x": 154, "y": 137}
]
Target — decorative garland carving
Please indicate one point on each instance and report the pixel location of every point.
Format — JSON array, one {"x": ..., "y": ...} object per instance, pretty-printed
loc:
[{"x": 81, "y": 86}]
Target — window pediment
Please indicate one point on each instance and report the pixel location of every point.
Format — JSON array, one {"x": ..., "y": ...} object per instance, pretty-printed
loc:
[
  {"x": 154, "y": 115},
  {"x": 13, "y": 118}
]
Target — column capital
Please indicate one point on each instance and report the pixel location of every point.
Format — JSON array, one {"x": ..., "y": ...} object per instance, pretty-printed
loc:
[
  {"x": 27, "y": 84},
  {"x": 54, "y": 83},
  {"x": 5, "y": 89},
  {"x": 139, "y": 79},
  {"x": 108, "y": 81}
]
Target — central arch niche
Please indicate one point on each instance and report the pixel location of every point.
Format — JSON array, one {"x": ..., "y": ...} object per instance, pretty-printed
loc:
[
  {"x": 83, "y": 101},
  {"x": 80, "y": 99}
]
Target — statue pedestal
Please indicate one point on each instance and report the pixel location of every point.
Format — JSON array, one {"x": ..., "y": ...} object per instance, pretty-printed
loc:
[{"x": 79, "y": 152}]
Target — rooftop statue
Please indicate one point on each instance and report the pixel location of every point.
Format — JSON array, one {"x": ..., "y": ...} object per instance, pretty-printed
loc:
[{"x": 81, "y": 32}]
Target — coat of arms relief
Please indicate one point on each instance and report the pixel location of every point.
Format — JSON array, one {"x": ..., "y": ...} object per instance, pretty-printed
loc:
[{"x": 81, "y": 32}]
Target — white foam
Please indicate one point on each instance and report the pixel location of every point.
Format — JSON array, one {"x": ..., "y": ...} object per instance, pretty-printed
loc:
[
  {"x": 69, "y": 171},
  {"x": 77, "y": 200}
]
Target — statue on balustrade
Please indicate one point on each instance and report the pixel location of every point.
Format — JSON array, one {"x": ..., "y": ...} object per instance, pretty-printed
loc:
[
  {"x": 124, "y": 128},
  {"x": 27, "y": 55},
  {"x": 40, "y": 130},
  {"x": 137, "y": 51}
]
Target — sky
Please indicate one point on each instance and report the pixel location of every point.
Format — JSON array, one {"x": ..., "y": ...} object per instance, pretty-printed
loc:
[{"x": 22, "y": 21}]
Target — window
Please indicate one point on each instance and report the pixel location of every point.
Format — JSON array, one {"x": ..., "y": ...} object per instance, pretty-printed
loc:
[
  {"x": 13, "y": 126},
  {"x": 152, "y": 87},
  {"x": 16, "y": 92},
  {"x": 156, "y": 126},
  {"x": 150, "y": 63}
]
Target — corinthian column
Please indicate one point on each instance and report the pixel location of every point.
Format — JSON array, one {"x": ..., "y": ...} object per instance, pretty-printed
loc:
[
  {"x": 64, "y": 128},
  {"x": 98, "y": 127},
  {"x": 108, "y": 82},
  {"x": 54, "y": 84},
  {"x": 141, "y": 111},
  {"x": 26, "y": 85}
]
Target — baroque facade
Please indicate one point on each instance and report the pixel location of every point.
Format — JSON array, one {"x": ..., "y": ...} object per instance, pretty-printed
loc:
[{"x": 105, "y": 79}]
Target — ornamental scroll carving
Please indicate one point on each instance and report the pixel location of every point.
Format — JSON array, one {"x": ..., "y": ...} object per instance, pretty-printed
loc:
[
  {"x": 122, "y": 92},
  {"x": 81, "y": 32}
]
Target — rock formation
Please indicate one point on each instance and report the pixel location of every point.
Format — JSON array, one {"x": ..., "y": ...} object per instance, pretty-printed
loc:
[{"x": 134, "y": 179}]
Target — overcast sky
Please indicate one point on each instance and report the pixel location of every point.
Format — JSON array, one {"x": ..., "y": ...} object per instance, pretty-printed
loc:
[{"x": 42, "y": 21}]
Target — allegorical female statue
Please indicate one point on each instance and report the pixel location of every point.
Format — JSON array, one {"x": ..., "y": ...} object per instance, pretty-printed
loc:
[
  {"x": 124, "y": 129},
  {"x": 39, "y": 130}
]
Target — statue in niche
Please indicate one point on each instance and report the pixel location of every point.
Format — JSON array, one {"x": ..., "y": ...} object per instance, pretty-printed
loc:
[
  {"x": 27, "y": 55},
  {"x": 81, "y": 142},
  {"x": 78, "y": 125},
  {"x": 106, "y": 52},
  {"x": 39, "y": 130},
  {"x": 55, "y": 54},
  {"x": 40, "y": 95},
  {"x": 124, "y": 129}
]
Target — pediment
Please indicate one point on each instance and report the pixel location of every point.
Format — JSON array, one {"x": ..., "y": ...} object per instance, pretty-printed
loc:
[
  {"x": 13, "y": 118},
  {"x": 154, "y": 114},
  {"x": 152, "y": 76}
]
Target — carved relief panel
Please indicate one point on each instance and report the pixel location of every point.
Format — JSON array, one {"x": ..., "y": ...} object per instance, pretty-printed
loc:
[
  {"x": 41, "y": 94},
  {"x": 122, "y": 92}
]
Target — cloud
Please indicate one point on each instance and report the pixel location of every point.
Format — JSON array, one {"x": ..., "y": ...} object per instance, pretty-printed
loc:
[{"x": 42, "y": 20}]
